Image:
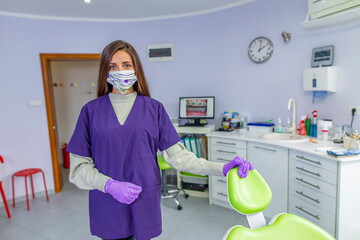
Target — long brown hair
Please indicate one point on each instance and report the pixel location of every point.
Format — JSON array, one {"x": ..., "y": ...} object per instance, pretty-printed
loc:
[{"x": 104, "y": 87}]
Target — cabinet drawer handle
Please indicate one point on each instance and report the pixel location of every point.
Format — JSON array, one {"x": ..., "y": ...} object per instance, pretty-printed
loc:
[
  {"x": 222, "y": 194},
  {"x": 268, "y": 149},
  {"x": 304, "y": 170},
  {"x": 309, "y": 213},
  {"x": 222, "y": 151},
  {"x": 313, "y": 185},
  {"x": 226, "y": 143},
  {"x": 304, "y": 195},
  {"x": 309, "y": 160},
  {"x": 220, "y": 180},
  {"x": 223, "y": 159}
]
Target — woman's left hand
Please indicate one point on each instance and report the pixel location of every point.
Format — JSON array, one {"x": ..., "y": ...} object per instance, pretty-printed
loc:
[{"x": 243, "y": 165}]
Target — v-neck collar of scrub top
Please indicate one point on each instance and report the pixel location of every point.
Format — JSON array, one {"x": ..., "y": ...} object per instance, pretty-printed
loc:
[{"x": 113, "y": 113}]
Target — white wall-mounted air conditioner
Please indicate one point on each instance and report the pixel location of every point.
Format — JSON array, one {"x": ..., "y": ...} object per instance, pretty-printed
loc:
[{"x": 321, "y": 8}]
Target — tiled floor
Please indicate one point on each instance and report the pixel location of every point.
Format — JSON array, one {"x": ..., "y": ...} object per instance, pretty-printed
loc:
[{"x": 66, "y": 217}]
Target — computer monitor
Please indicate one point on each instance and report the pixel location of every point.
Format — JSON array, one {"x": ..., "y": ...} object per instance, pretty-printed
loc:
[{"x": 196, "y": 108}]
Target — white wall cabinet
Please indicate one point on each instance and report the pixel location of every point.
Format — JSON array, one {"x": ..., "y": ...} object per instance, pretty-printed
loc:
[{"x": 272, "y": 162}]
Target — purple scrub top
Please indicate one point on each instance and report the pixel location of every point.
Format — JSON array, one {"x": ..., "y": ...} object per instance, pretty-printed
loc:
[{"x": 125, "y": 153}]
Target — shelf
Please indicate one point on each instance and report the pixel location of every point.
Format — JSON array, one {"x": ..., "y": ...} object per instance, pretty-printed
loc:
[
  {"x": 195, "y": 130},
  {"x": 348, "y": 16}
]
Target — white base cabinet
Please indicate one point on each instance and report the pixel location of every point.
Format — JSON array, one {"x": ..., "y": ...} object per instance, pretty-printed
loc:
[
  {"x": 272, "y": 163},
  {"x": 223, "y": 151},
  {"x": 316, "y": 187},
  {"x": 313, "y": 189}
]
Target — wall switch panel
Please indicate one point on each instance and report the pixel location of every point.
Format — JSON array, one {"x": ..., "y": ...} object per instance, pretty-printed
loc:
[{"x": 35, "y": 102}]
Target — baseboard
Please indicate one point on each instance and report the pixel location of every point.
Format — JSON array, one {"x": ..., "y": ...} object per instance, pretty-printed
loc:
[{"x": 23, "y": 198}]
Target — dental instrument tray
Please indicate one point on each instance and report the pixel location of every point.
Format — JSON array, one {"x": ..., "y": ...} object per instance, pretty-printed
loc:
[{"x": 225, "y": 129}]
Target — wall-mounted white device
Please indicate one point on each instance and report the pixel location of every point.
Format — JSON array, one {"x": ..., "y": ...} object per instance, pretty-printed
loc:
[
  {"x": 322, "y": 56},
  {"x": 321, "y": 8},
  {"x": 320, "y": 79},
  {"x": 160, "y": 52}
]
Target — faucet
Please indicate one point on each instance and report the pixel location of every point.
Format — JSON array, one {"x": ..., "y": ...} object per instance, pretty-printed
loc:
[{"x": 291, "y": 100}]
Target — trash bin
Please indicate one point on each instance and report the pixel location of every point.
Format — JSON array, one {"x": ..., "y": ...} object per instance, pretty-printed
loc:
[{"x": 66, "y": 156}]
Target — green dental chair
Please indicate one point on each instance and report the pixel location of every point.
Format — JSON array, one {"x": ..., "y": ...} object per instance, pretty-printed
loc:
[
  {"x": 165, "y": 192},
  {"x": 250, "y": 196}
]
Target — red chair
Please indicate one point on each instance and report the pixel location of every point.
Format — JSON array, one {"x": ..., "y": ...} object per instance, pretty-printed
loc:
[
  {"x": 25, "y": 173},
  {"x": 3, "y": 194}
]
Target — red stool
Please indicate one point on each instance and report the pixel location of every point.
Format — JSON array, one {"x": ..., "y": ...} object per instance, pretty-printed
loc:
[
  {"x": 3, "y": 194},
  {"x": 24, "y": 173}
]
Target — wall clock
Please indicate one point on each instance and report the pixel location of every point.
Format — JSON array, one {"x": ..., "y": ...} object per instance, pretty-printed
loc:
[{"x": 261, "y": 49}]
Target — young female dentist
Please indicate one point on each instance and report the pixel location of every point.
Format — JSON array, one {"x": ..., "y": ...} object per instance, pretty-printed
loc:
[{"x": 114, "y": 150}]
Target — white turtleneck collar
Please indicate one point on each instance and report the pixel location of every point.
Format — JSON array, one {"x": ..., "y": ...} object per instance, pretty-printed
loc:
[{"x": 122, "y": 98}]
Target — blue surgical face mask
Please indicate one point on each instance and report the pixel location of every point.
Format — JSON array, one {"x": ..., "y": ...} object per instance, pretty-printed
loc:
[{"x": 122, "y": 80}]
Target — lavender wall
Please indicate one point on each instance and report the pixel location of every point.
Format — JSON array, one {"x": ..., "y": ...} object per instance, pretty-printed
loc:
[{"x": 210, "y": 59}]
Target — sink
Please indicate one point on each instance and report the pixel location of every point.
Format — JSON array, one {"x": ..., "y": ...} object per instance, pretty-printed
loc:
[{"x": 285, "y": 137}]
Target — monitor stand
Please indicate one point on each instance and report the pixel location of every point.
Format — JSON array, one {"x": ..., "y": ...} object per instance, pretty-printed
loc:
[{"x": 196, "y": 123}]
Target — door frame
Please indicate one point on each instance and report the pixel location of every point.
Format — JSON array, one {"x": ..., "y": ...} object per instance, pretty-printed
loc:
[{"x": 45, "y": 59}]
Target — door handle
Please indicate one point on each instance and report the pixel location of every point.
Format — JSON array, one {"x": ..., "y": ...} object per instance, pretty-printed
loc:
[
  {"x": 304, "y": 195},
  {"x": 222, "y": 151},
  {"x": 304, "y": 170},
  {"x": 309, "y": 160},
  {"x": 309, "y": 213},
  {"x": 226, "y": 143},
  {"x": 222, "y": 194},
  {"x": 268, "y": 149},
  {"x": 306, "y": 182},
  {"x": 223, "y": 159}
]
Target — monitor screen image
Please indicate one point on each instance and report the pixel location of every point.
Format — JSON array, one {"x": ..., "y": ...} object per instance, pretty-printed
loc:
[{"x": 197, "y": 107}]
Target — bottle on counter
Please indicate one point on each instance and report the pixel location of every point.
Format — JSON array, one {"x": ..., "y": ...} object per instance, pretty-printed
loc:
[
  {"x": 325, "y": 135},
  {"x": 302, "y": 128},
  {"x": 307, "y": 125},
  {"x": 287, "y": 129},
  {"x": 279, "y": 127},
  {"x": 313, "y": 126}
]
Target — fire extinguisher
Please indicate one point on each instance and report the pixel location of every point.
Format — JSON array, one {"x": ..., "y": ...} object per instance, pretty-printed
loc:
[{"x": 66, "y": 156}]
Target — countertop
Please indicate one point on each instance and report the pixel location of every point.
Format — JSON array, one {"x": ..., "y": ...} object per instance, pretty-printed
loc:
[{"x": 303, "y": 146}]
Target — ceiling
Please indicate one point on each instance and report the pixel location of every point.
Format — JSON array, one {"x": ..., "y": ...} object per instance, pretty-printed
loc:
[{"x": 113, "y": 10}]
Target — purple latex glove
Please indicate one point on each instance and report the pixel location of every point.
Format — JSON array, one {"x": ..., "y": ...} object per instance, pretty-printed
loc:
[
  {"x": 243, "y": 165},
  {"x": 123, "y": 192}
]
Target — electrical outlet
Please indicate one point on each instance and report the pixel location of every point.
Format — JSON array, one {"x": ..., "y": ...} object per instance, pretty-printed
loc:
[{"x": 357, "y": 113}]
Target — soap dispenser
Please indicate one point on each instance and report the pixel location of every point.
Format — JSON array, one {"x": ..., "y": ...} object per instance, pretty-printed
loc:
[
  {"x": 288, "y": 127},
  {"x": 302, "y": 128},
  {"x": 279, "y": 127}
]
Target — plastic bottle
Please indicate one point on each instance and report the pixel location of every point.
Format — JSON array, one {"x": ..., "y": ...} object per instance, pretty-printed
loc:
[
  {"x": 307, "y": 125},
  {"x": 302, "y": 128},
  {"x": 325, "y": 134},
  {"x": 287, "y": 129},
  {"x": 279, "y": 127},
  {"x": 313, "y": 126}
]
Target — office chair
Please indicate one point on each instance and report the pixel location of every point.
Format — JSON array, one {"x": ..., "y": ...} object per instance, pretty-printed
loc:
[
  {"x": 165, "y": 192},
  {"x": 250, "y": 196}
]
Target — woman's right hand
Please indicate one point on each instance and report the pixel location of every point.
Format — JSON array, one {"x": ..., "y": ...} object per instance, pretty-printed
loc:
[{"x": 123, "y": 192}]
